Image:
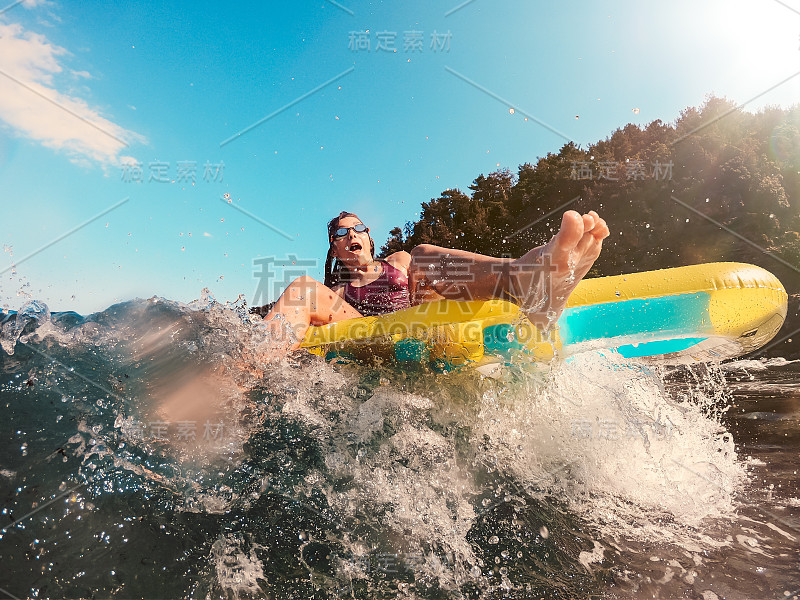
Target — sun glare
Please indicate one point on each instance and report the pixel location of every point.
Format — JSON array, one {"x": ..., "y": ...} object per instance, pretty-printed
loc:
[{"x": 755, "y": 47}]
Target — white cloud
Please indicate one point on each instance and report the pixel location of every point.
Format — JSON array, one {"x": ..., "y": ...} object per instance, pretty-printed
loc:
[{"x": 30, "y": 104}]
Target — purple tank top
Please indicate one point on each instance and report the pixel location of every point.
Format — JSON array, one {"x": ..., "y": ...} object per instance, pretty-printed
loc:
[{"x": 388, "y": 293}]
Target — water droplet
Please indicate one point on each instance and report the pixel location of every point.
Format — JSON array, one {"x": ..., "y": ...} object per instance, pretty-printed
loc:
[{"x": 544, "y": 532}]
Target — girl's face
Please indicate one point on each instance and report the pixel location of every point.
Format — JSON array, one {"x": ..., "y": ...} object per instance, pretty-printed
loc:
[{"x": 353, "y": 248}]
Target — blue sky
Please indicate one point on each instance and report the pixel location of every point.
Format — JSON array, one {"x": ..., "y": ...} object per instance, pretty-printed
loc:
[{"x": 99, "y": 104}]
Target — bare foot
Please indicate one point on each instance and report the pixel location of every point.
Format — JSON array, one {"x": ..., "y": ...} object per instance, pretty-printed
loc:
[{"x": 542, "y": 280}]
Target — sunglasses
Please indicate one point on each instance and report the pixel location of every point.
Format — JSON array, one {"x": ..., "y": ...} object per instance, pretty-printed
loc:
[{"x": 343, "y": 231}]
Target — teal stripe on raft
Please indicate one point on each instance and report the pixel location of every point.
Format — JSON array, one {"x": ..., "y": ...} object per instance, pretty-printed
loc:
[
  {"x": 410, "y": 350},
  {"x": 500, "y": 339},
  {"x": 681, "y": 314},
  {"x": 658, "y": 348}
]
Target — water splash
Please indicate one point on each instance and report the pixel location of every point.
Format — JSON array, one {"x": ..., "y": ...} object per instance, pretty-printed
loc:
[
  {"x": 31, "y": 317},
  {"x": 601, "y": 430},
  {"x": 369, "y": 481}
]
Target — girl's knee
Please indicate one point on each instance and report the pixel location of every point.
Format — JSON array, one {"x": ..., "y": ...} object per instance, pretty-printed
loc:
[
  {"x": 426, "y": 258},
  {"x": 422, "y": 250},
  {"x": 304, "y": 281}
]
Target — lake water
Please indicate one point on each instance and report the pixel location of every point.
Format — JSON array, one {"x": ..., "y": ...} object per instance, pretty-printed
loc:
[{"x": 150, "y": 452}]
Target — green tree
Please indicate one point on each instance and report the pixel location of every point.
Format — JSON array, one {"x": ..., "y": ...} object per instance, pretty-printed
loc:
[{"x": 719, "y": 183}]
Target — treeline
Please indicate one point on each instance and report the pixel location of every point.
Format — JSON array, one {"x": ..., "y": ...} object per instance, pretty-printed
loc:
[{"x": 720, "y": 184}]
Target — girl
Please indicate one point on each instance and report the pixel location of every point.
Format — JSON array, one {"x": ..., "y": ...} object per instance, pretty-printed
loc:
[{"x": 357, "y": 284}]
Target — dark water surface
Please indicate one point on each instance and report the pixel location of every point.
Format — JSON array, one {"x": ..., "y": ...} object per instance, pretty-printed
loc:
[{"x": 150, "y": 452}]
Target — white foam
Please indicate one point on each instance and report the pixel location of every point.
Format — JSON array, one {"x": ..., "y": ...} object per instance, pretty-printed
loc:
[
  {"x": 237, "y": 566},
  {"x": 606, "y": 439},
  {"x": 595, "y": 556},
  {"x": 610, "y": 440},
  {"x": 761, "y": 364}
]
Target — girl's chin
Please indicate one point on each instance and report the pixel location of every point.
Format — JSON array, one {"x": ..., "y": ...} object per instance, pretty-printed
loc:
[{"x": 358, "y": 260}]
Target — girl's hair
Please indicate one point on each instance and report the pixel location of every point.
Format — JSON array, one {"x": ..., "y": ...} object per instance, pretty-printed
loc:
[{"x": 336, "y": 272}]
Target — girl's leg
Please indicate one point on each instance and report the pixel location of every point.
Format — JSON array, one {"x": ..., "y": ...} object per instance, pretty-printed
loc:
[
  {"x": 305, "y": 302},
  {"x": 437, "y": 272},
  {"x": 540, "y": 281}
]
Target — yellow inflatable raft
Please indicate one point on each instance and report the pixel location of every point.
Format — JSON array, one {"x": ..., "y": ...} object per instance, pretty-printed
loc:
[{"x": 700, "y": 313}]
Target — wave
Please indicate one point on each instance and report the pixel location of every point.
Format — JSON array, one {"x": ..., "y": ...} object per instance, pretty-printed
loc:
[{"x": 171, "y": 426}]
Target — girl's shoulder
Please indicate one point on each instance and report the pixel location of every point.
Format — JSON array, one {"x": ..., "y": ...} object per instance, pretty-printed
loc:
[{"x": 399, "y": 260}]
